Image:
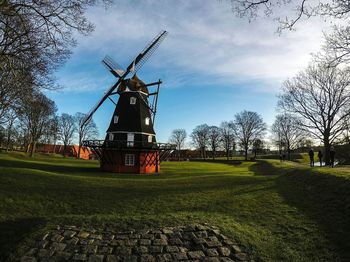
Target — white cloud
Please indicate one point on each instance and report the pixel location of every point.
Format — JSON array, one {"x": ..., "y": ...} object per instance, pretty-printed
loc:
[{"x": 205, "y": 39}]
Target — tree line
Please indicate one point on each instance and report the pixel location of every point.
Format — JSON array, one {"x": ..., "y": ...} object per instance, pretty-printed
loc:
[
  {"x": 314, "y": 104},
  {"x": 317, "y": 98},
  {"x": 36, "y": 38},
  {"x": 36, "y": 122},
  {"x": 247, "y": 130}
]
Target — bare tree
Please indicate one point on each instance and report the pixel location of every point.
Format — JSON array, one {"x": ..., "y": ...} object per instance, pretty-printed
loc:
[
  {"x": 297, "y": 10},
  {"x": 54, "y": 132},
  {"x": 22, "y": 137},
  {"x": 258, "y": 146},
  {"x": 178, "y": 137},
  {"x": 36, "y": 38},
  {"x": 86, "y": 132},
  {"x": 346, "y": 137},
  {"x": 13, "y": 88},
  {"x": 336, "y": 48},
  {"x": 37, "y": 35},
  {"x": 227, "y": 137},
  {"x": 200, "y": 137},
  {"x": 337, "y": 44},
  {"x": 320, "y": 95},
  {"x": 35, "y": 113},
  {"x": 214, "y": 139},
  {"x": 11, "y": 118},
  {"x": 67, "y": 128},
  {"x": 287, "y": 132},
  {"x": 2, "y": 137},
  {"x": 51, "y": 133},
  {"x": 249, "y": 126}
]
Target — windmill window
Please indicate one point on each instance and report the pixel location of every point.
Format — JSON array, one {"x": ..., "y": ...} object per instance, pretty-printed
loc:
[
  {"x": 150, "y": 139},
  {"x": 116, "y": 118},
  {"x": 130, "y": 139},
  {"x": 129, "y": 159},
  {"x": 132, "y": 100},
  {"x": 111, "y": 136},
  {"x": 147, "y": 121}
]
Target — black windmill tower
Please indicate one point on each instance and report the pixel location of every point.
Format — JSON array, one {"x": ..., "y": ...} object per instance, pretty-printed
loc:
[{"x": 130, "y": 144}]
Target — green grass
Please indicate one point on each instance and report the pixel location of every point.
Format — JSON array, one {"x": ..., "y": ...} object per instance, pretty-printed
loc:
[{"x": 278, "y": 211}]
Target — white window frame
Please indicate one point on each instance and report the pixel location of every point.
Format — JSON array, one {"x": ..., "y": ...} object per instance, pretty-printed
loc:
[
  {"x": 150, "y": 139},
  {"x": 110, "y": 136},
  {"x": 147, "y": 121},
  {"x": 129, "y": 159},
  {"x": 130, "y": 139},
  {"x": 115, "y": 119},
  {"x": 132, "y": 100}
]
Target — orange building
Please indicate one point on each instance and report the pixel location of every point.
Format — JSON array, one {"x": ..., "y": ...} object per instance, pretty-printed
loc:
[{"x": 72, "y": 151}]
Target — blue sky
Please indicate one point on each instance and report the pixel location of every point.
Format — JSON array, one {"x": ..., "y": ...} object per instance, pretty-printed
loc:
[{"x": 212, "y": 63}]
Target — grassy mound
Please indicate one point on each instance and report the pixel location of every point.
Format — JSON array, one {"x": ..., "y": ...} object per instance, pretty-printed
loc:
[{"x": 279, "y": 211}]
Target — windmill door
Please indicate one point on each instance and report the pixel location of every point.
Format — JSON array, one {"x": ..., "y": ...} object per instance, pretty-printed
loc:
[{"x": 130, "y": 139}]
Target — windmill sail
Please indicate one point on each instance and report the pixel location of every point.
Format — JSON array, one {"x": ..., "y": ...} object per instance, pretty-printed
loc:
[
  {"x": 148, "y": 51},
  {"x": 113, "y": 66},
  {"x": 135, "y": 65},
  {"x": 132, "y": 69},
  {"x": 130, "y": 144}
]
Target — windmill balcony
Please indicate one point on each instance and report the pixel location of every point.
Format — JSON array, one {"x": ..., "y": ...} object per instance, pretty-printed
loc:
[{"x": 124, "y": 144}]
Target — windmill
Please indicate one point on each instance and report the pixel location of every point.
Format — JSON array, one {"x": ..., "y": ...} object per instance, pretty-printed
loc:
[{"x": 130, "y": 144}]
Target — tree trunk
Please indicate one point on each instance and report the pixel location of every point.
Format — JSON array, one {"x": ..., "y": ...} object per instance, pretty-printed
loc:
[
  {"x": 228, "y": 154},
  {"x": 28, "y": 147},
  {"x": 64, "y": 150},
  {"x": 9, "y": 131},
  {"x": 32, "y": 150},
  {"x": 8, "y": 139},
  {"x": 246, "y": 153},
  {"x": 179, "y": 154},
  {"x": 288, "y": 151},
  {"x": 327, "y": 148},
  {"x": 231, "y": 153},
  {"x": 289, "y": 154}
]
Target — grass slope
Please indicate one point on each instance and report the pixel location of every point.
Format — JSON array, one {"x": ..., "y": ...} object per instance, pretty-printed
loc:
[{"x": 279, "y": 211}]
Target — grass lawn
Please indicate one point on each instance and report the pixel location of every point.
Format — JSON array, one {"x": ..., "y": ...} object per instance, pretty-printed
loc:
[{"x": 279, "y": 211}]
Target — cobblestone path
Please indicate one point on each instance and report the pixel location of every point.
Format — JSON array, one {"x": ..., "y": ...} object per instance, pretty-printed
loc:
[{"x": 186, "y": 243}]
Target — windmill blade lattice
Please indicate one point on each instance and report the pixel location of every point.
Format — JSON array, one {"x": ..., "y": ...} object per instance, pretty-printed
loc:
[
  {"x": 149, "y": 50},
  {"x": 133, "y": 67},
  {"x": 130, "y": 144},
  {"x": 112, "y": 66}
]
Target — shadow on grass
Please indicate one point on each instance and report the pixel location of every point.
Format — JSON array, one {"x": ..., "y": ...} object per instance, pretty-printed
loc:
[
  {"x": 84, "y": 168},
  {"x": 325, "y": 198},
  {"x": 13, "y": 232},
  {"x": 50, "y": 167},
  {"x": 266, "y": 168},
  {"x": 219, "y": 161}
]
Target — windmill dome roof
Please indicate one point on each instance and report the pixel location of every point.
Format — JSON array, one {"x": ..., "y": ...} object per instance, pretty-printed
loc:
[{"x": 133, "y": 84}]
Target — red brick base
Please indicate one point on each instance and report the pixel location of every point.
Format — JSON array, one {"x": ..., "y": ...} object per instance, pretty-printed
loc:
[{"x": 145, "y": 162}]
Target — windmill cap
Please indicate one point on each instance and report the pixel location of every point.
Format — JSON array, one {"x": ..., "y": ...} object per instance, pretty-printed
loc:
[{"x": 133, "y": 84}]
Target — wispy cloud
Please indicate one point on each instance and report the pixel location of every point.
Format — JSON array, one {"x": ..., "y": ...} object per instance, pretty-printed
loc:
[{"x": 206, "y": 43}]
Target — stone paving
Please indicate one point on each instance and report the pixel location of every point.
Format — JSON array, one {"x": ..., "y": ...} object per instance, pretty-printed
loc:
[{"x": 183, "y": 243}]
